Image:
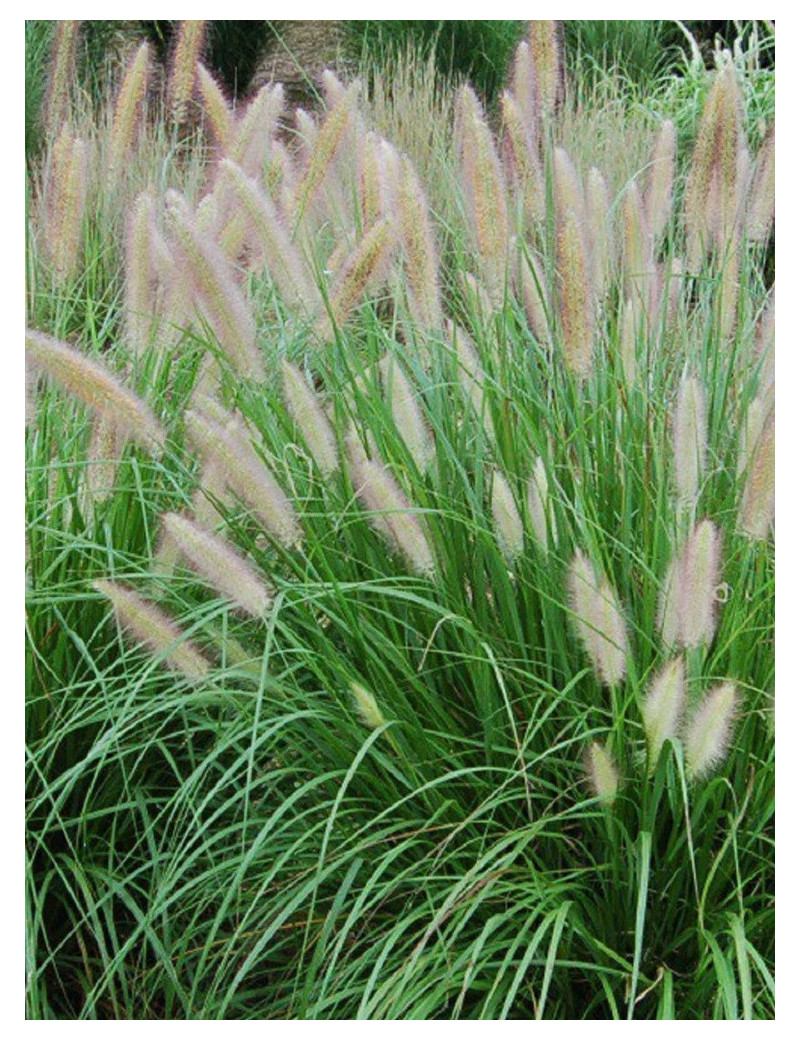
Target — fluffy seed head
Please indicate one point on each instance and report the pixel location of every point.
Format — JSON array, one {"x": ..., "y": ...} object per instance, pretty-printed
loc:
[
  {"x": 326, "y": 143},
  {"x": 687, "y": 609},
  {"x": 507, "y": 521},
  {"x": 65, "y": 205},
  {"x": 599, "y": 620},
  {"x": 229, "y": 445},
  {"x": 599, "y": 229},
  {"x": 184, "y": 64},
  {"x": 660, "y": 180},
  {"x": 128, "y": 111},
  {"x": 307, "y": 412},
  {"x": 540, "y": 506},
  {"x": 689, "y": 438},
  {"x": 547, "y": 53},
  {"x": 709, "y": 732},
  {"x": 486, "y": 192},
  {"x": 757, "y": 506},
  {"x": 93, "y": 384},
  {"x": 520, "y": 150},
  {"x": 380, "y": 493},
  {"x": 601, "y": 773},
  {"x": 280, "y": 254},
  {"x": 215, "y": 106},
  {"x": 362, "y": 269},
  {"x": 251, "y": 140},
  {"x": 215, "y": 291},
  {"x": 761, "y": 198},
  {"x": 406, "y": 413},
  {"x": 575, "y": 292},
  {"x": 152, "y": 627},
  {"x": 366, "y": 706},
  {"x": 663, "y": 708},
  {"x": 61, "y": 75},
  {"x": 419, "y": 250},
  {"x": 219, "y": 564}
]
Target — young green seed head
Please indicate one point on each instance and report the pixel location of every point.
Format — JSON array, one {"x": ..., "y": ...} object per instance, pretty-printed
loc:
[{"x": 366, "y": 706}]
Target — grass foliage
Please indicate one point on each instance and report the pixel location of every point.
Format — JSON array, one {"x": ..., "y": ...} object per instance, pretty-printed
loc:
[{"x": 424, "y": 781}]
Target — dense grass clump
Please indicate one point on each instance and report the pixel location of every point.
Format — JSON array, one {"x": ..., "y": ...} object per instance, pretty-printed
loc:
[{"x": 400, "y": 553}]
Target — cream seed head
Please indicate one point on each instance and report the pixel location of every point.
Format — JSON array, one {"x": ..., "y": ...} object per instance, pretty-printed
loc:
[
  {"x": 757, "y": 505},
  {"x": 601, "y": 773},
  {"x": 709, "y": 732},
  {"x": 540, "y": 506},
  {"x": 149, "y": 625},
  {"x": 687, "y": 614},
  {"x": 215, "y": 290},
  {"x": 380, "y": 493},
  {"x": 93, "y": 384},
  {"x": 599, "y": 620},
  {"x": 663, "y": 708},
  {"x": 420, "y": 255},
  {"x": 485, "y": 185},
  {"x": 247, "y": 476},
  {"x": 184, "y": 63},
  {"x": 128, "y": 111},
  {"x": 660, "y": 181},
  {"x": 311, "y": 420},
  {"x": 547, "y": 54},
  {"x": 507, "y": 521},
  {"x": 573, "y": 267},
  {"x": 65, "y": 205},
  {"x": 219, "y": 565},
  {"x": 761, "y": 197},
  {"x": 689, "y": 438},
  {"x": 406, "y": 412},
  {"x": 218, "y": 112}
]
